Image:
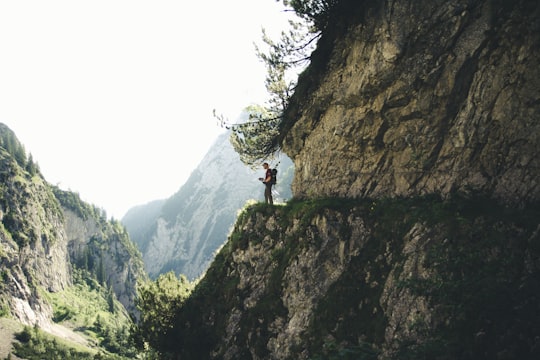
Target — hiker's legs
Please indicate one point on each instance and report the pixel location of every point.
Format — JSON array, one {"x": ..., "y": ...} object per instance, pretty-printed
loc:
[{"x": 268, "y": 194}]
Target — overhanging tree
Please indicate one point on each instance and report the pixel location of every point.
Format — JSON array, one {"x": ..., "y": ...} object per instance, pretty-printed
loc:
[
  {"x": 258, "y": 138},
  {"x": 316, "y": 12}
]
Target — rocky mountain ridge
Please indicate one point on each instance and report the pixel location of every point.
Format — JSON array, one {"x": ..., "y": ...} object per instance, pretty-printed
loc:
[{"x": 182, "y": 233}]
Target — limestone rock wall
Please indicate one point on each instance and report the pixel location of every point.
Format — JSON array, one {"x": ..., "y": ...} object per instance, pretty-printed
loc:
[
  {"x": 423, "y": 96},
  {"x": 390, "y": 279},
  {"x": 108, "y": 248}
]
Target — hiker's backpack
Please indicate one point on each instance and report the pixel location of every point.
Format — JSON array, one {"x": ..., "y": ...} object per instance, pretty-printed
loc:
[{"x": 274, "y": 177}]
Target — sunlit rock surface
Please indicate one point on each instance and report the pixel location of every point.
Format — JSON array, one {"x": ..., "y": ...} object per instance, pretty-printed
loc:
[{"x": 423, "y": 97}]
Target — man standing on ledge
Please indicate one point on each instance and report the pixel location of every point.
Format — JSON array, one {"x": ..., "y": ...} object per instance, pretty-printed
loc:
[{"x": 267, "y": 181}]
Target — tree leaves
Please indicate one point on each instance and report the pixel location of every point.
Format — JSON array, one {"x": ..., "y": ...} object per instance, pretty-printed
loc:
[
  {"x": 159, "y": 303},
  {"x": 258, "y": 139}
]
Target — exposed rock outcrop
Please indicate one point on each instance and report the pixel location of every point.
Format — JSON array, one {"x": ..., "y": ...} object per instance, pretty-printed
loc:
[
  {"x": 110, "y": 250},
  {"x": 421, "y": 97},
  {"x": 418, "y": 278}
]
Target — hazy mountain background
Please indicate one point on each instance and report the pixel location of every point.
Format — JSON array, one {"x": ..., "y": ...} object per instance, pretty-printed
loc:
[{"x": 183, "y": 232}]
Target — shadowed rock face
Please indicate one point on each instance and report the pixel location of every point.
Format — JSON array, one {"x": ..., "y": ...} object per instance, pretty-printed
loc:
[
  {"x": 402, "y": 98},
  {"x": 423, "y": 97},
  {"x": 387, "y": 279}
]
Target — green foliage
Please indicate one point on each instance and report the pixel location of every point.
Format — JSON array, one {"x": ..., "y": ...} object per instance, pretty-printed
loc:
[
  {"x": 317, "y": 12},
  {"x": 326, "y": 15},
  {"x": 26, "y": 202},
  {"x": 73, "y": 202},
  {"x": 31, "y": 166},
  {"x": 11, "y": 144},
  {"x": 37, "y": 345},
  {"x": 255, "y": 140},
  {"x": 159, "y": 302},
  {"x": 258, "y": 139},
  {"x": 100, "y": 272},
  {"x": 4, "y": 308},
  {"x": 94, "y": 310}
]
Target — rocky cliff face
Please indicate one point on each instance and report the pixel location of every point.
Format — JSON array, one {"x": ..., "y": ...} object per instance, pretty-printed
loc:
[
  {"x": 34, "y": 244},
  {"x": 115, "y": 259},
  {"x": 186, "y": 230},
  {"x": 419, "y": 97},
  {"x": 414, "y": 232},
  {"x": 342, "y": 279}
]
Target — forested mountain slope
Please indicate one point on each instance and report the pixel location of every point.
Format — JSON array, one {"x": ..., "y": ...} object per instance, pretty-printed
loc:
[{"x": 62, "y": 262}]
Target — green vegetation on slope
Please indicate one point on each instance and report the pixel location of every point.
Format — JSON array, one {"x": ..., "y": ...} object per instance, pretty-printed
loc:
[
  {"x": 22, "y": 194},
  {"x": 31, "y": 216},
  {"x": 158, "y": 303},
  {"x": 94, "y": 310},
  {"x": 90, "y": 310},
  {"x": 35, "y": 344}
]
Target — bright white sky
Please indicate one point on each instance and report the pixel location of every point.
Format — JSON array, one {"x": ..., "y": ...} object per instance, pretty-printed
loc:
[{"x": 114, "y": 98}]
